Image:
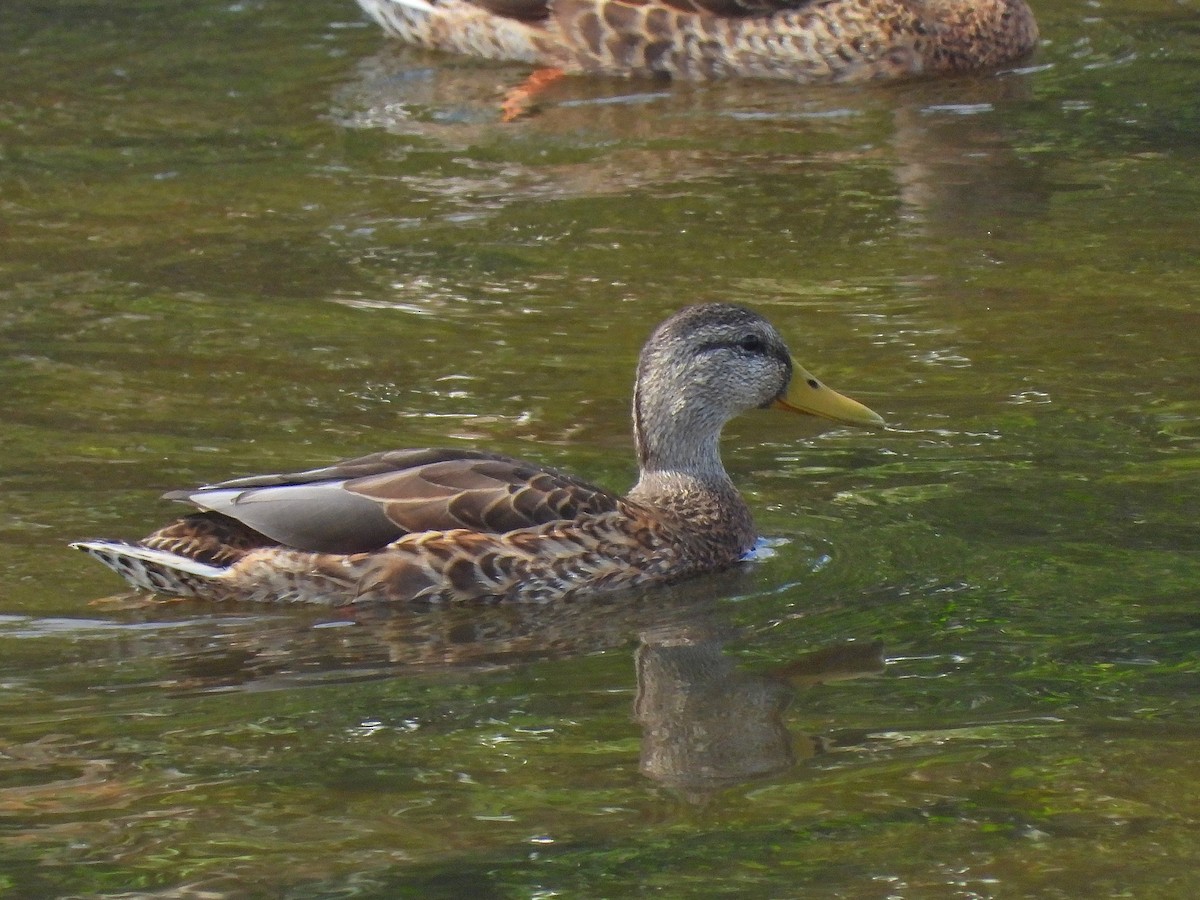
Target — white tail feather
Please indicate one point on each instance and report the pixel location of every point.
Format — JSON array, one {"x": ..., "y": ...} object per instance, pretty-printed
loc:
[
  {"x": 380, "y": 10},
  {"x": 158, "y": 571},
  {"x": 420, "y": 5}
]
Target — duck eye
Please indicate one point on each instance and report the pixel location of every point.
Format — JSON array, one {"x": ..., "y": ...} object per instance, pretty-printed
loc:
[{"x": 752, "y": 343}]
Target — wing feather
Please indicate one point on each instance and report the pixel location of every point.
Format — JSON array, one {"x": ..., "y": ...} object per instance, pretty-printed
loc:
[
  {"x": 539, "y": 10},
  {"x": 363, "y": 504}
]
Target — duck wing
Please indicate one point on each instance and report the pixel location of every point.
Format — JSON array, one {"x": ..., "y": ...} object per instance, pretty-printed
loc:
[
  {"x": 539, "y": 10},
  {"x": 363, "y": 504},
  {"x": 736, "y": 9}
]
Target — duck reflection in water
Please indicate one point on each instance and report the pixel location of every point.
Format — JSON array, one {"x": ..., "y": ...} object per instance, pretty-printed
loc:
[{"x": 708, "y": 725}]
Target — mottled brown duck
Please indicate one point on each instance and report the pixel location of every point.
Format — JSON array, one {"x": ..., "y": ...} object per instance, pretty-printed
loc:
[
  {"x": 808, "y": 41},
  {"x": 455, "y": 525}
]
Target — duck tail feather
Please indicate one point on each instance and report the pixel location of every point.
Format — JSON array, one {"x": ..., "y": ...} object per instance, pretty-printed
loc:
[{"x": 157, "y": 571}]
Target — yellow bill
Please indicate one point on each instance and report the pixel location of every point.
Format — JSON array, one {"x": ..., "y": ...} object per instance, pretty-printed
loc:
[{"x": 805, "y": 394}]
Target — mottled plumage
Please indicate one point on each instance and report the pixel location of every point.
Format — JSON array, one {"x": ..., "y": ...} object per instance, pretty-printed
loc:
[
  {"x": 808, "y": 41},
  {"x": 447, "y": 525}
]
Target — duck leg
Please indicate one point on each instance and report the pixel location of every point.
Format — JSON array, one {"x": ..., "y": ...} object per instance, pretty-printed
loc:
[{"x": 521, "y": 101}]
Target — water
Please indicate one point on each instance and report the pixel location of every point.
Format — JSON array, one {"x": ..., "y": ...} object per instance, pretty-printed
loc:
[{"x": 255, "y": 236}]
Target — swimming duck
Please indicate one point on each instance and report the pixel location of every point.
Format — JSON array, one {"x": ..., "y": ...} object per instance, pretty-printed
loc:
[
  {"x": 455, "y": 525},
  {"x": 810, "y": 41}
]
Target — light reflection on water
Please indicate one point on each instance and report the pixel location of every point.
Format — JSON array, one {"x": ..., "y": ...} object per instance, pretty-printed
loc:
[{"x": 270, "y": 240}]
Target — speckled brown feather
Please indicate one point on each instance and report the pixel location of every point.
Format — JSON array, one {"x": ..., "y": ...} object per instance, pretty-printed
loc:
[
  {"x": 815, "y": 41},
  {"x": 494, "y": 494},
  {"x": 441, "y": 525},
  {"x": 633, "y": 546},
  {"x": 364, "y": 504},
  {"x": 209, "y": 538}
]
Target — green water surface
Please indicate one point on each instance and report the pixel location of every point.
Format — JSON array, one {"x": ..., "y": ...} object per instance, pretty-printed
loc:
[{"x": 245, "y": 237}]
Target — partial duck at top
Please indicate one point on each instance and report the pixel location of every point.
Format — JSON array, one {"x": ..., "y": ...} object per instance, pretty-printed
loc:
[
  {"x": 461, "y": 525},
  {"x": 808, "y": 41}
]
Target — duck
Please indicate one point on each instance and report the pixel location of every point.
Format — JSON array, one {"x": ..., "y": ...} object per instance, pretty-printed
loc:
[
  {"x": 805, "y": 41},
  {"x": 457, "y": 525}
]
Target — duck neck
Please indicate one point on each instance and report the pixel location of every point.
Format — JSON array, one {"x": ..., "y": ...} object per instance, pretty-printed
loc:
[
  {"x": 681, "y": 474},
  {"x": 678, "y": 448}
]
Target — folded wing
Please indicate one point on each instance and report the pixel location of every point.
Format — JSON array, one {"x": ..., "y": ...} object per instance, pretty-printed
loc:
[
  {"x": 537, "y": 10},
  {"x": 364, "y": 504}
]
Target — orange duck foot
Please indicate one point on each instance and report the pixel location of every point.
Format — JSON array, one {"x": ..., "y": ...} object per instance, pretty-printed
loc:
[{"x": 521, "y": 101}]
